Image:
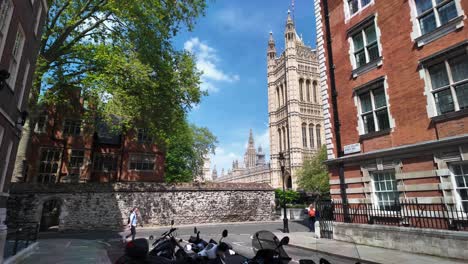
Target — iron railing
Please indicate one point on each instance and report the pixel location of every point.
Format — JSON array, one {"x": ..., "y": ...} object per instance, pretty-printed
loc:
[
  {"x": 20, "y": 235},
  {"x": 407, "y": 213}
]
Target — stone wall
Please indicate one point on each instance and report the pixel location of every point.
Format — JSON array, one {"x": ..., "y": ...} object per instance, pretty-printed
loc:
[
  {"x": 106, "y": 206},
  {"x": 443, "y": 243}
]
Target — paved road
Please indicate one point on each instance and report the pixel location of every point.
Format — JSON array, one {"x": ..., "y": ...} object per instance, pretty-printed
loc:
[{"x": 106, "y": 247}]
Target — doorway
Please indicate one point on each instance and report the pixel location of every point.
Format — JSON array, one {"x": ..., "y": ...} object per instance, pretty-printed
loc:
[{"x": 50, "y": 218}]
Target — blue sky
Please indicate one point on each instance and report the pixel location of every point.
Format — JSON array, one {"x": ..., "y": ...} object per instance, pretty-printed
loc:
[{"x": 230, "y": 44}]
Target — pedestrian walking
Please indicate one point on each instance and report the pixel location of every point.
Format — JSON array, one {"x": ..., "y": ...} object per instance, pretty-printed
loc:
[
  {"x": 312, "y": 218},
  {"x": 132, "y": 222}
]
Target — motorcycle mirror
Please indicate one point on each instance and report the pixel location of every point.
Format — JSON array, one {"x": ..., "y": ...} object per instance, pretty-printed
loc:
[
  {"x": 225, "y": 233},
  {"x": 195, "y": 230},
  {"x": 284, "y": 241},
  {"x": 172, "y": 222}
]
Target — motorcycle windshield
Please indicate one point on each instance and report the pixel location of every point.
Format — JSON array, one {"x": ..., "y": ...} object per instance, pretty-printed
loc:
[{"x": 267, "y": 240}]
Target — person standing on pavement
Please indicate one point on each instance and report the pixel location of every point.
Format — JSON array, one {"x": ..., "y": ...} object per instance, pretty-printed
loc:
[
  {"x": 312, "y": 218},
  {"x": 133, "y": 222}
]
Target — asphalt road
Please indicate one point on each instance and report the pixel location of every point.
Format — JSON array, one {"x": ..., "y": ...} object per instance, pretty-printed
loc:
[{"x": 111, "y": 242}]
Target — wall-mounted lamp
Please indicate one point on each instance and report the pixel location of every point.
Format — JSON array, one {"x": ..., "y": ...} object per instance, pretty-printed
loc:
[
  {"x": 4, "y": 75},
  {"x": 22, "y": 118}
]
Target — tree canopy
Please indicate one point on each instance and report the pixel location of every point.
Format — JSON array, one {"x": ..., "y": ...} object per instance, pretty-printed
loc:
[
  {"x": 313, "y": 176},
  {"x": 119, "y": 55}
]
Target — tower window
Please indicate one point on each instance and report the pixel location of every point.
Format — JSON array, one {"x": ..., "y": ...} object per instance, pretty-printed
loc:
[{"x": 304, "y": 135}]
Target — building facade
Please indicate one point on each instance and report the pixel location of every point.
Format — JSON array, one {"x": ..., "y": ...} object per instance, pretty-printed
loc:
[
  {"x": 394, "y": 80},
  {"x": 21, "y": 23},
  {"x": 71, "y": 145},
  {"x": 294, "y": 105},
  {"x": 254, "y": 168}
]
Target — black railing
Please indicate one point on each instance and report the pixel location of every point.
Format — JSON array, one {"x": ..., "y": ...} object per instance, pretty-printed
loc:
[
  {"x": 407, "y": 213},
  {"x": 20, "y": 235}
]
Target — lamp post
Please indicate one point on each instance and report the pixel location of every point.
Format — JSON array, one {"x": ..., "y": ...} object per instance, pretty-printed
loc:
[{"x": 282, "y": 162}]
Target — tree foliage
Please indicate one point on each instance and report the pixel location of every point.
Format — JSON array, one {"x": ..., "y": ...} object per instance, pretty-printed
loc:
[
  {"x": 288, "y": 196},
  {"x": 313, "y": 176},
  {"x": 186, "y": 152},
  {"x": 119, "y": 55}
]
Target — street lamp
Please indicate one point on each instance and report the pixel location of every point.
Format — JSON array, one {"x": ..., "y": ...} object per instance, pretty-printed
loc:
[{"x": 282, "y": 164}]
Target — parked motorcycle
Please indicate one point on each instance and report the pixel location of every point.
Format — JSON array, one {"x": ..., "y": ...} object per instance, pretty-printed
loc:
[{"x": 136, "y": 252}]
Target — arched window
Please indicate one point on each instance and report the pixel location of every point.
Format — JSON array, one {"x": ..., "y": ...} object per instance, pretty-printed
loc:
[
  {"x": 304, "y": 135},
  {"x": 301, "y": 92},
  {"x": 278, "y": 96},
  {"x": 285, "y": 146},
  {"x": 315, "y": 91},
  {"x": 311, "y": 135},
  {"x": 318, "y": 135},
  {"x": 279, "y": 139},
  {"x": 308, "y": 90}
]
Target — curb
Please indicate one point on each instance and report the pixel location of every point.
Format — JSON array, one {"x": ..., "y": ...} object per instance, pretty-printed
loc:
[
  {"x": 213, "y": 224},
  {"x": 24, "y": 253},
  {"x": 334, "y": 255}
]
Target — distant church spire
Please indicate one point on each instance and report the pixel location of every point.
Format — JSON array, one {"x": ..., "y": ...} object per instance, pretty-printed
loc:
[
  {"x": 251, "y": 140},
  {"x": 250, "y": 155}
]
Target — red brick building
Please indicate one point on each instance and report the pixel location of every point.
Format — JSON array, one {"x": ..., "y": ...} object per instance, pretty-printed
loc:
[
  {"x": 21, "y": 23},
  {"x": 66, "y": 148},
  {"x": 394, "y": 78}
]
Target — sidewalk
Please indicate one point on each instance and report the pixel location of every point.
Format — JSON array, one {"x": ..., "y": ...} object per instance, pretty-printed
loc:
[
  {"x": 67, "y": 251},
  {"x": 306, "y": 240}
]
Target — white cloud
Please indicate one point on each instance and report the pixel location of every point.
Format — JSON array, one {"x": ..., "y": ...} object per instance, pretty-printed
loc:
[{"x": 207, "y": 61}]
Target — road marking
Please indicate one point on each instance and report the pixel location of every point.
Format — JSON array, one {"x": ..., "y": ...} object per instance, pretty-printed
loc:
[{"x": 68, "y": 244}]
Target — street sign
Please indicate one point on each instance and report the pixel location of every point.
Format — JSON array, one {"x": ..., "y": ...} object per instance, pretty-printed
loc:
[{"x": 353, "y": 148}]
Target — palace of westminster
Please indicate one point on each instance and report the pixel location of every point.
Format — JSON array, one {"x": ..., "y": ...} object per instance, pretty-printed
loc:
[{"x": 295, "y": 116}]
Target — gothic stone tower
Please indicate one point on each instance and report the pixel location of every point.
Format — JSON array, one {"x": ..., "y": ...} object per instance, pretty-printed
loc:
[
  {"x": 294, "y": 105},
  {"x": 250, "y": 156}
]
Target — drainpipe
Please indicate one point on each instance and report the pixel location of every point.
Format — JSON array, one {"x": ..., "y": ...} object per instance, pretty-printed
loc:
[{"x": 336, "y": 120}]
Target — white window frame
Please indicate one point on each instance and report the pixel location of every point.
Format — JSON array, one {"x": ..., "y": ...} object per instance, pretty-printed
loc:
[
  {"x": 23, "y": 85},
  {"x": 43, "y": 129},
  {"x": 76, "y": 156},
  {"x": 48, "y": 174},
  {"x": 73, "y": 123},
  {"x": 361, "y": 31},
  {"x": 141, "y": 158},
  {"x": 440, "y": 30},
  {"x": 38, "y": 19},
  {"x": 15, "y": 62},
  {"x": 456, "y": 194},
  {"x": 375, "y": 198},
  {"x": 5, "y": 29},
  {"x": 115, "y": 160},
  {"x": 450, "y": 86},
  {"x": 347, "y": 9},
  {"x": 361, "y": 125}
]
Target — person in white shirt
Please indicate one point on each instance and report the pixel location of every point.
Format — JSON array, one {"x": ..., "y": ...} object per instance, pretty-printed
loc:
[{"x": 133, "y": 222}]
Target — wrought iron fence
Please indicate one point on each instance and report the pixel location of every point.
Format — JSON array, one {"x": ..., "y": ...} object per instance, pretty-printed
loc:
[
  {"x": 20, "y": 235},
  {"x": 407, "y": 213}
]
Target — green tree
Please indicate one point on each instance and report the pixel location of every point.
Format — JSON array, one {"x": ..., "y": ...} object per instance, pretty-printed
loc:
[
  {"x": 313, "y": 176},
  {"x": 186, "y": 151},
  {"x": 290, "y": 196},
  {"x": 118, "y": 53}
]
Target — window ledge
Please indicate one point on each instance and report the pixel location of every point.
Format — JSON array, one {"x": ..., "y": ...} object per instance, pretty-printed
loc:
[
  {"x": 367, "y": 67},
  {"x": 450, "y": 116},
  {"x": 375, "y": 134},
  {"x": 441, "y": 31}
]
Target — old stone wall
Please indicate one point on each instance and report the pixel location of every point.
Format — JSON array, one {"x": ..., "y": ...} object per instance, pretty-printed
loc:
[{"x": 106, "y": 206}]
